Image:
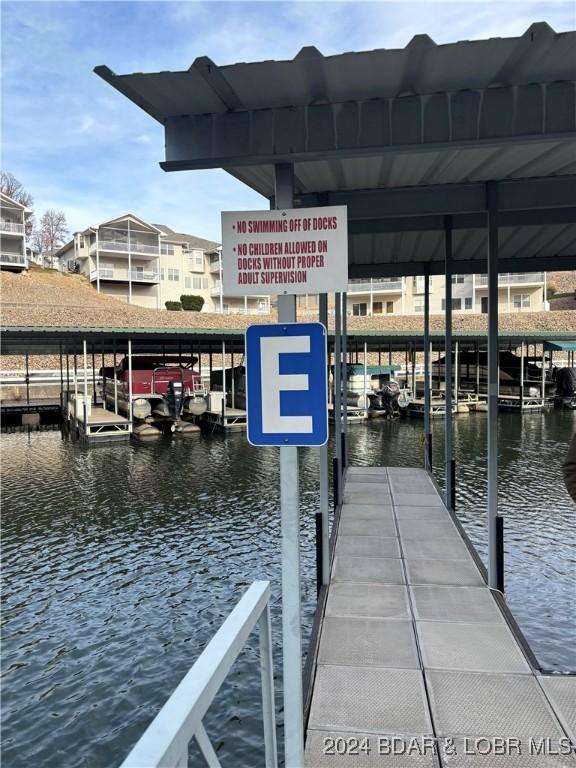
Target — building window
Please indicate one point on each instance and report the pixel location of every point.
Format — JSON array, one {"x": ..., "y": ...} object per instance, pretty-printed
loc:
[
  {"x": 161, "y": 273},
  {"x": 418, "y": 307},
  {"x": 188, "y": 282},
  {"x": 389, "y": 307},
  {"x": 174, "y": 275},
  {"x": 196, "y": 261},
  {"x": 457, "y": 279},
  {"x": 468, "y": 302},
  {"x": 456, "y": 304},
  {"x": 377, "y": 308},
  {"x": 521, "y": 300},
  {"x": 359, "y": 309},
  {"x": 167, "y": 249},
  {"x": 200, "y": 283}
]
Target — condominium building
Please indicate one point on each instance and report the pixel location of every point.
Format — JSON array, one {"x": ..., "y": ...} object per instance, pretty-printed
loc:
[
  {"x": 520, "y": 292},
  {"x": 149, "y": 264},
  {"x": 12, "y": 234}
]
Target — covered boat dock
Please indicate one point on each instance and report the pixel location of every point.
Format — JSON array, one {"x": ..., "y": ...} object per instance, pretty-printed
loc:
[{"x": 451, "y": 159}]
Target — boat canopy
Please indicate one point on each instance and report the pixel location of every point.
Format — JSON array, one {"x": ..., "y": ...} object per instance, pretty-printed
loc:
[{"x": 560, "y": 346}]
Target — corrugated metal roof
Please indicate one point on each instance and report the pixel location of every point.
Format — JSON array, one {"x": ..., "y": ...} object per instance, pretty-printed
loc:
[
  {"x": 422, "y": 67},
  {"x": 424, "y": 117}
]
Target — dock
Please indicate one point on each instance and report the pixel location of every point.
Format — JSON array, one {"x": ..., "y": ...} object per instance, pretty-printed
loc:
[
  {"x": 413, "y": 645},
  {"x": 226, "y": 420}
]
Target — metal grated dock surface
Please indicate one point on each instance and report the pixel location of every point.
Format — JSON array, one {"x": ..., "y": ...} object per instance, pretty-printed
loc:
[{"x": 413, "y": 646}]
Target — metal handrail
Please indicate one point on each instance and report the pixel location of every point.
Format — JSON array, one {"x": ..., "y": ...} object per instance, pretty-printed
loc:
[
  {"x": 165, "y": 741},
  {"x": 13, "y": 258},
  {"x": 124, "y": 247},
  {"x": 511, "y": 278}
]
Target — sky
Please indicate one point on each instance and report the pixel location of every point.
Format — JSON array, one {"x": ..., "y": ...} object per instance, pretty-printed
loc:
[{"x": 79, "y": 146}]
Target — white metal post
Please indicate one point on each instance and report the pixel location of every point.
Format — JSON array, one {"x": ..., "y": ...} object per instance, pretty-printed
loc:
[
  {"x": 543, "y": 375},
  {"x": 85, "y": 356},
  {"x": 97, "y": 262},
  {"x": 224, "y": 380},
  {"x": 456, "y": 374},
  {"x": 366, "y": 374},
  {"x": 129, "y": 279},
  {"x": 448, "y": 361},
  {"x": 267, "y": 678},
  {"x": 290, "y": 512},
  {"x": 324, "y": 480},
  {"x": 220, "y": 278},
  {"x": 130, "y": 382},
  {"x": 492, "y": 389}
]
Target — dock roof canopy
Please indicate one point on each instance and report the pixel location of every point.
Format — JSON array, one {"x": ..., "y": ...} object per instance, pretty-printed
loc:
[{"x": 404, "y": 138}]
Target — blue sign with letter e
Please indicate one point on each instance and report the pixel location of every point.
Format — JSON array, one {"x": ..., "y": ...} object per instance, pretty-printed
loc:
[{"x": 286, "y": 384}]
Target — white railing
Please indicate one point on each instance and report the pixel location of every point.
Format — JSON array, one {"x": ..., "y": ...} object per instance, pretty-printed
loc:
[
  {"x": 11, "y": 226},
  {"x": 264, "y": 310},
  {"x": 165, "y": 741},
  {"x": 510, "y": 278},
  {"x": 134, "y": 275},
  {"x": 123, "y": 247},
  {"x": 13, "y": 258},
  {"x": 214, "y": 266},
  {"x": 374, "y": 285}
]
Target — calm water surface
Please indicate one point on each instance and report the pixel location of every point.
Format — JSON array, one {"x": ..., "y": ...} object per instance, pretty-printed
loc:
[{"x": 121, "y": 562}]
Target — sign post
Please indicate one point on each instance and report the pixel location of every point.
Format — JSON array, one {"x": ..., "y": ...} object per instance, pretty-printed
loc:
[{"x": 286, "y": 252}]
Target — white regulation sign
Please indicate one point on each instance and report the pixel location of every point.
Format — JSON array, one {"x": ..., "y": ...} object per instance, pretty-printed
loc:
[{"x": 300, "y": 250}]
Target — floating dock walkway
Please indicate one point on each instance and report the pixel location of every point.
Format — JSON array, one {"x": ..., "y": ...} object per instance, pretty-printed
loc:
[{"x": 414, "y": 645}]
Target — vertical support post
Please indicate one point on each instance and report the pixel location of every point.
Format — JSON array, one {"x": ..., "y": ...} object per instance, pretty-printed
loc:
[
  {"x": 427, "y": 431},
  {"x": 62, "y": 378},
  {"x": 129, "y": 276},
  {"x": 366, "y": 377},
  {"x": 456, "y": 374},
  {"x": 492, "y": 206},
  {"x": 130, "y": 382},
  {"x": 75, "y": 414},
  {"x": 338, "y": 390},
  {"x": 85, "y": 356},
  {"x": 27, "y": 380},
  {"x": 97, "y": 261},
  {"x": 290, "y": 511},
  {"x": 477, "y": 368},
  {"x": 448, "y": 437},
  {"x": 67, "y": 381},
  {"x": 93, "y": 374},
  {"x": 543, "y": 374},
  {"x": 267, "y": 678},
  {"x": 223, "y": 380},
  {"x": 344, "y": 381},
  {"x": 324, "y": 571},
  {"x": 115, "y": 380},
  {"x": 521, "y": 376},
  {"x": 413, "y": 361},
  {"x": 232, "y": 387}
]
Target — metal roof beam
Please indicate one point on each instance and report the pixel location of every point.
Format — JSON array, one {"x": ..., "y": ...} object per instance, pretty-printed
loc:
[
  {"x": 448, "y": 199},
  {"x": 537, "y": 217},
  {"x": 461, "y": 267},
  {"x": 409, "y": 123},
  {"x": 213, "y": 77}
]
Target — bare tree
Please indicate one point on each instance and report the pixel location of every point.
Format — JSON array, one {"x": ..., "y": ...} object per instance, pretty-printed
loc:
[
  {"x": 10, "y": 186},
  {"x": 50, "y": 234}
]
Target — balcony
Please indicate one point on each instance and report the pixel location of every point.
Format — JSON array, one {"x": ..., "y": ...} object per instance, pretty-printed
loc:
[
  {"x": 509, "y": 278},
  {"x": 14, "y": 260},
  {"x": 118, "y": 246},
  {"x": 254, "y": 310},
  {"x": 11, "y": 227},
  {"x": 124, "y": 275},
  {"x": 215, "y": 267},
  {"x": 383, "y": 285}
]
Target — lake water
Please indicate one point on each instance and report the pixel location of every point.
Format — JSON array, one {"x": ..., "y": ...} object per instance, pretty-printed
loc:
[{"x": 121, "y": 562}]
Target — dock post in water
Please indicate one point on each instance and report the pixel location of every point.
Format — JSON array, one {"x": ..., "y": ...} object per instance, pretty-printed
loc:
[
  {"x": 427, "y": 351},
  {"x": 448, "y": 447},
  {"x": 344, "y": 297},
  {"x": 289, "y": 508},
  {"x": 492, "y": 390},
  {"x": 338, "y": 392}
]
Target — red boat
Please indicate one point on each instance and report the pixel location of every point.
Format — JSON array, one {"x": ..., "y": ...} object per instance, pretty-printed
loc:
[{"x": 164, "y": 389}]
